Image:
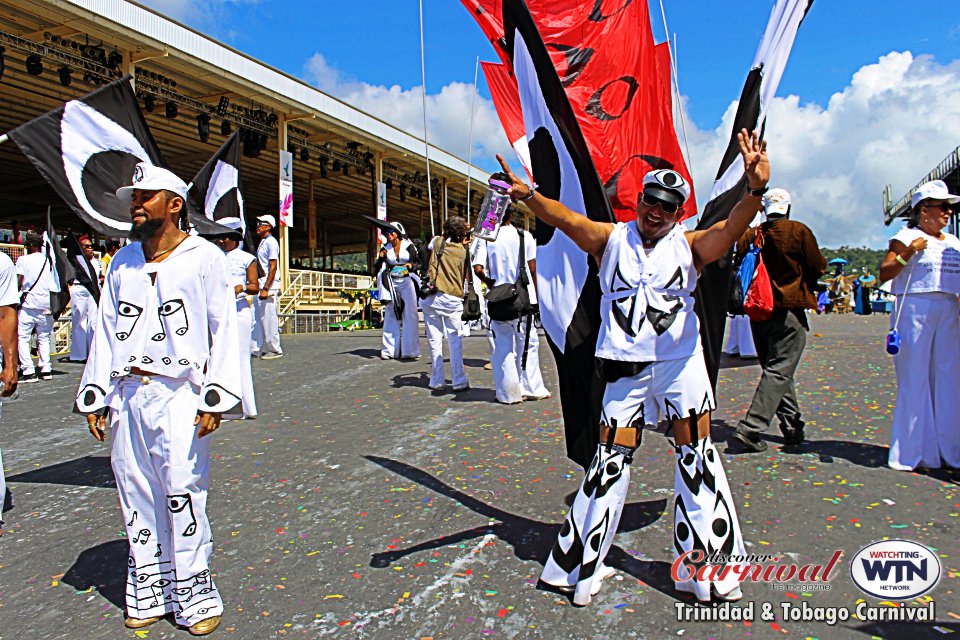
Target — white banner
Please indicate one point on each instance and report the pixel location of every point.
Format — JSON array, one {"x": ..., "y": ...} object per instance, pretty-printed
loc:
[
  {"x": 381, "y": 210},
  {"x": 286, "y": 189}
]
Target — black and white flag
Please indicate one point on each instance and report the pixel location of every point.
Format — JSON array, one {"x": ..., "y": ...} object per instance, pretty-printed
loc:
[
  {"x": 87, "y": 149},
  {"x": 713, "y": 288},
  {"x": 568, "y": 289},
  {"x": 85, "y": 274},
  {"x": 63, "y": 272},
  {"x": 215, "y": 192}
]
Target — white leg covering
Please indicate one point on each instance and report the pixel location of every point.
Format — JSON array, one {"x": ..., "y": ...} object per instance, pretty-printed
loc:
[
  {"x": 163, "y": 471},
  {"x": 945, "y": 385},
  {"x": 391, "y": 332},
  {"x": 27, "y": 319},
  {"x": 256, "y": 330},
  {"x": 410, "y": 326},
  {"x": 705, "y": 517},
  {"x": 452, "y": 329},
  {"x": 433, "y": 322},
  {"x": 506, "y": 368},
  {"x": 244, "y": 314},
  {"x": 79, "y": 301},
  {"x": 531, "y": 380},
  {"x": 44, "y": 338},
  {"x": 576, "y": 561},
  {"x": 271, "y": 325},
  {"x": 913, "y": 436}
]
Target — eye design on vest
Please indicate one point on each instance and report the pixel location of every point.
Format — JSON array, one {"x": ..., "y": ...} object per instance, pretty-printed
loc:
[
  {"x": 128, "y": 315},
  {"x": 172, "y": 313}
]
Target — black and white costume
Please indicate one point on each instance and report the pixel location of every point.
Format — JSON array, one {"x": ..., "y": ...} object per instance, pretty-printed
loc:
[
  {"x": 649, "y": 343},
  {"x": 176, "y": 320},
  {"x": 401, "y": 325},
  {"x": 237, "y": 262}
]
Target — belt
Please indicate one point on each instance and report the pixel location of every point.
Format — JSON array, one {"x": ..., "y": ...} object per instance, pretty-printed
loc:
[{"x": 624, "y": 437}]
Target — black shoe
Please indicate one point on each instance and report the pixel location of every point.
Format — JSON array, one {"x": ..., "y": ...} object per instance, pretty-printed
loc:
[
  {"x": 792, "y": 437},
  {"x": 752, "y": 445},
  {"x": 29, "y": 377}
]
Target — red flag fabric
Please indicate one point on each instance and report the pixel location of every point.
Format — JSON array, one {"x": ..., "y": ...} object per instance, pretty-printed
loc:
[
  {"x": 618, "y": 82},
  {"x": 506, "y": 100}
]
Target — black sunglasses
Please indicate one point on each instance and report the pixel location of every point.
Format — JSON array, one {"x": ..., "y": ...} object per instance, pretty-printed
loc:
[
  {"x": 651, "y": 201},
  {"x": 86, "y": 246}
]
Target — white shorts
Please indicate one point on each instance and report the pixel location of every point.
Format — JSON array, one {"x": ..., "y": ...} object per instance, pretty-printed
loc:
[{"x": 670, "y": 389}]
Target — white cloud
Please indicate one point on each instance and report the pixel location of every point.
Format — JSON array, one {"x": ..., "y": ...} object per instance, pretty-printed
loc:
[
  {"x": 204, "y": 14},
  {"x": 895, "y": 121},
  {"x": 448, "y": 112}
]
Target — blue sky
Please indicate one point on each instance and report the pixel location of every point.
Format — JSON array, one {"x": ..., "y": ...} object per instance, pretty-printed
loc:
[{"x": 865, "y": 79}]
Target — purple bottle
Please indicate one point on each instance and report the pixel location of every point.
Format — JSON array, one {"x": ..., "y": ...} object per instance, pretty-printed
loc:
[{"x": 495, "y": 203}]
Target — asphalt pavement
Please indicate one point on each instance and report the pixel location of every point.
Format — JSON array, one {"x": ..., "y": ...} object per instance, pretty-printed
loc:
[{"x": 360, "y": 504}]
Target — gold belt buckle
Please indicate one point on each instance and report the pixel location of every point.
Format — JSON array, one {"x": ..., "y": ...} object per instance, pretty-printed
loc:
[{"x": 145, "y": 380}]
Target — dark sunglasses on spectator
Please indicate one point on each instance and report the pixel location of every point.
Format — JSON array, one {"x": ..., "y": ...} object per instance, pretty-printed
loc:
[
  {"x": 651, "y": 201},
  {"x": 86, "y": 246}
]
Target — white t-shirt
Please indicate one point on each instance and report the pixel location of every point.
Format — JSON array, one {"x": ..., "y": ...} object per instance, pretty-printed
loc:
[
  {"x": 268, "y": 250},
  {"x": 9, "y": 291},
  {"x": 935, "y": 269},
  {"x": 237, "y": 262},
  {"x": 499, "y": 258},
  {"x": 31, "y": 267}
]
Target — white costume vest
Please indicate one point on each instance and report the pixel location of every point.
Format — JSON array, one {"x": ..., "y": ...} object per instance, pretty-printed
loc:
[
  {"x": 646, "y": 311},
  {"x": 936, "y": 268}
]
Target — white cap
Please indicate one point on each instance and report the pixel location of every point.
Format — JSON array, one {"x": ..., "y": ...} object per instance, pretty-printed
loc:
[
  {"x": 933, "y": 190},
  {"x": 148, "y": 177},
  {"x": 776, "y": 203},
  {"x": 667, "y": 185},
  {"x": 268, "y": 219},
  {"x": 399, "y": 229},
  {"x": 231, "y": 223}
]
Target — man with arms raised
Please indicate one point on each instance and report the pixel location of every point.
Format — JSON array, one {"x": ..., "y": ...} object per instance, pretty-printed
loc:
[
  {"x": 649, "y": 352},
  {"x": 164, "y": 363}
]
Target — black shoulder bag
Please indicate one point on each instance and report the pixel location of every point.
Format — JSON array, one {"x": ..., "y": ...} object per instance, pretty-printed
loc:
[
  {"x": 507, "y": 301},
  {"x": 471, "y": 301}
]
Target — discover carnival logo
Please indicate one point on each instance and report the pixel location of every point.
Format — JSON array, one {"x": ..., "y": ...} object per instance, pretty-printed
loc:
[{"x": 897, "y": 569}]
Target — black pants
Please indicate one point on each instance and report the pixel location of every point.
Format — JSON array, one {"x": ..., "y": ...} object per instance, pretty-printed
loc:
[{"x": 780, "y": 342}]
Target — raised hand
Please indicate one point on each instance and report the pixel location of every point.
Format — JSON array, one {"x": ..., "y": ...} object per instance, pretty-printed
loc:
[
  {"x": 756, "y": 165},
  {"x": 518, "y": 188}
]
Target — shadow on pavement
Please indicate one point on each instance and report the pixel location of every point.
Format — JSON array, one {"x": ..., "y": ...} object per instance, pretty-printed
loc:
[
  {"x": 531, "y": 539},
  {"x": 88, "y": 471},
  {"x": 104, "y": 568},
  {"x": 369, "y": 354}
]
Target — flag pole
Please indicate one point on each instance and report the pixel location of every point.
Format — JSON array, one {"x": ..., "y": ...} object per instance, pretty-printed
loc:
[
  {"x": 473, "y": 103},
  {"x": 676, "y": 82},
  {"x": 426, "y": 145}
]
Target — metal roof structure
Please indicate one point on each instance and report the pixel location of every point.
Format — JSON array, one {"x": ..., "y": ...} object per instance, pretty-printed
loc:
[
  {"x": 340, "y": 152},
  {"x": 948, "y": 171}
]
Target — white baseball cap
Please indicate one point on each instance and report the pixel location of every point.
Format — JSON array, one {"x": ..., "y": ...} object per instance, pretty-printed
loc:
[
  {"x": 268, "y": 219},
  {"x": 149, "y": 177},
  {"x": 668, "y": 185},
  {"x": 933, "y": 190},
  {"x": 776, "y": 203},
  {"x": 231, "y": 223},
  {"x": 396, "y": 226}
]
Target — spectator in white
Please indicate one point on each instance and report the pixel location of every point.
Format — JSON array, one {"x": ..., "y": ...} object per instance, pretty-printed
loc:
[
  {"x": 448, "y": 271},
  {"x": 164, "y": 361},
  {"x": 266, "y": 332},
  {"x": 82, "y": 303},
  {"x": 242, "y": 268},
  {"x": 496, "y": 263},
  {"x": 924, "y": 263},
  {"x": 36, "y": 284},
  {"x": 401, "y": 326},
  {"x": 9, "y": 299}
]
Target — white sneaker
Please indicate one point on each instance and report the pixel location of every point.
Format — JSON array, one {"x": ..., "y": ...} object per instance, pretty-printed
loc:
[
  {"x": 732, "y": 596},
  {"x": 271, "y": 356}
]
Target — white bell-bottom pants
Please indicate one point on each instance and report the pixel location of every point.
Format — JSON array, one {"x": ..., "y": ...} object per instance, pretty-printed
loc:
[
  {"x": 401, "y": 337},
  {"x": 27, "y": 321},
  {"x": 163, "y": 473},
  {"x": 740, "y": 341},
  {"x": 926, "y": 421},
  {"x": 244, "y": 320},
  {"x": 266, "y": 333},
  {"x": 441, "y": 317},
  {"x": 83, "y": 319},
  {"x": 514, "y": 383}
]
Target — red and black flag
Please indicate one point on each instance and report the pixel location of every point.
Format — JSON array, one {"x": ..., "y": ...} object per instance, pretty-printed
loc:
[
  {"x": 568, "y": 287},
  {"x": 713, "y": 288},
  {"x": 215, "y": 191},
  {"x": 87, "y": 149}
]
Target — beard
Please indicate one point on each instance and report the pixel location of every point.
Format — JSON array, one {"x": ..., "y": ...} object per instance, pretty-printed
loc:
[{"x": 145, "y": 230}]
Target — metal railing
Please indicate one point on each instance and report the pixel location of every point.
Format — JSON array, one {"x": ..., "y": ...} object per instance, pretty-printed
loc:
[
  {"x": 320, "y": 288},
  {"x": 893, "y": 210}
]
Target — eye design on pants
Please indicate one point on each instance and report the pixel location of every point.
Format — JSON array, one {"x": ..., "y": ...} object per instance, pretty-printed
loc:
[
  {"x": 172, "y": 313},
  {"x": 128, "y": 314}
]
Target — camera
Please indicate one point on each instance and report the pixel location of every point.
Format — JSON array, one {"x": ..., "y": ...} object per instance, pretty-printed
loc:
[{"x": 427, "y": 288}]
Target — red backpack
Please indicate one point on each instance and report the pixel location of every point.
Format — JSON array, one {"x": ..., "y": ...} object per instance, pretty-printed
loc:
[{"x": 758, "y": 304}]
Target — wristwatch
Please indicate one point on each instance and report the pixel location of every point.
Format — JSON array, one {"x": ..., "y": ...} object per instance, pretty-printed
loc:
[{"x": 757, "y": 192}]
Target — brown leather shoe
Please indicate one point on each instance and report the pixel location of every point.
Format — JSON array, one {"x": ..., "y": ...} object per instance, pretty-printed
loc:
[
  {"x": 205, "y": 626},
  {"x": 140, "y": 623}
]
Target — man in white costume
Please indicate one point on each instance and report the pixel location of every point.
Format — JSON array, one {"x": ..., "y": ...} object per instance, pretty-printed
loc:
[
  {"x": 9, "y": 299},
  {"x": 498, "y": 262},
  {"x": 243, "y": 277},
  {"x": 649, "y": 353},
  {"x": 36, "y": 284},
  {"x": 266, "y": 332},
  {"x": 164, "y": 363},
  {"x": 82, "y": 302}
]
